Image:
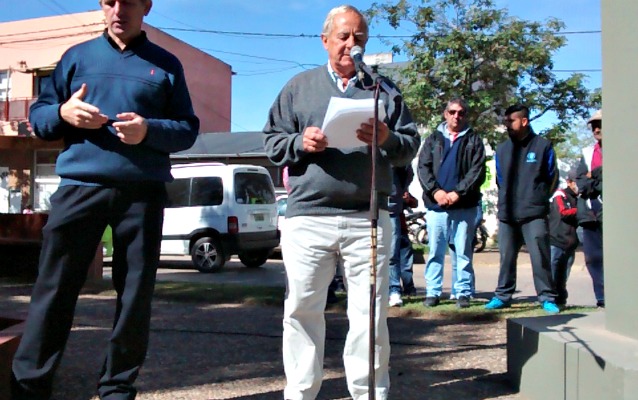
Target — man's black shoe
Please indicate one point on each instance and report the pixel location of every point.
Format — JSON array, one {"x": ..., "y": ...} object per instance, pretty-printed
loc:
[
  {"x": 463, "y": 302},
  {"x": 431, "y": 301},
  {"x": 409, "y": 291}
]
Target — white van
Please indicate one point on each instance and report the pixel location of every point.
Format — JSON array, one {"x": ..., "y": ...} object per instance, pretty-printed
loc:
[{"x": 216, "y": 210}]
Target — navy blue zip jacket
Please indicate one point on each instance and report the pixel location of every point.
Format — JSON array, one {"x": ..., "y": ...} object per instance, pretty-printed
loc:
[
  {"x": 526, "y": 176},
  {"x": 144, "y": 79}
]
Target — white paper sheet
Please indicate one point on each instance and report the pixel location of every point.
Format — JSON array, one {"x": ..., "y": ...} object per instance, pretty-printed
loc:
[{"x": 344, "y": 117}]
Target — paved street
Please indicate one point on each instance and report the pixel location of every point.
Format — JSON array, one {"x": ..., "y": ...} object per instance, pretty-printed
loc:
[
  {"x": 486, "y": 267},
  {"x": 225, "y": 351}
]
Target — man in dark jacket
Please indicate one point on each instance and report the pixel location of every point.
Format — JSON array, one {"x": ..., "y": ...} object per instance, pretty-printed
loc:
[
  {"x": 562, "y": 234},
  {"x": 526, "y": 177},
  {"x": 451, "y": 171},
  {"x": 590, "y": 207}
]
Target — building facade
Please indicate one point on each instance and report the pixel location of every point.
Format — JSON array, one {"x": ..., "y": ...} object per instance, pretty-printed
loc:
[{"x": 30, "y": 50}]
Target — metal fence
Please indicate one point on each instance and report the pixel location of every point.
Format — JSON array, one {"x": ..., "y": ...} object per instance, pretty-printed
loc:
[{"x": 16, "y": 109}]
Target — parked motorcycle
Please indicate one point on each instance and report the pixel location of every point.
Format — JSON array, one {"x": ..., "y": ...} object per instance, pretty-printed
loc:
[
  {"x": 480, "y": 237},
  {"x": 418, "y": 232}
]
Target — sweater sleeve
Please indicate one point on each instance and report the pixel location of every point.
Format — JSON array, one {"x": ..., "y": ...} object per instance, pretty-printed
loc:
[
  {"x": 425, "y": 168},
  {"x": 179, "y": 129},
  {"x": 552, "y": 170},
  {"x": 475, "y": 176},
  {"x": 587, "y": 186},
  {"x": 282, "y": 141},
  {"x": 44, "y": 114},
  {"x": 564, "y": 211},
  {"x": 404, "y": 140}
]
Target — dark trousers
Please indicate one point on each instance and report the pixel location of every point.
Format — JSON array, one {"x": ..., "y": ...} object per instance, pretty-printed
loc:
[
  {"x": 78, "y": 217},
  {"x": 593, "y": 249},
  {"x": 535, "y": 235},
  {"x": 562, "y": 261}
]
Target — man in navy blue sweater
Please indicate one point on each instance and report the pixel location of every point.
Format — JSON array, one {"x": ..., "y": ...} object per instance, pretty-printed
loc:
[
  {"x": 526, "y": 176},
  {"x": 122, "y": 106}
]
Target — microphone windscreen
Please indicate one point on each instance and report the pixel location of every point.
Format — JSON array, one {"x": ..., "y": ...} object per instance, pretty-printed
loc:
[{"x": 356, "y": 52}]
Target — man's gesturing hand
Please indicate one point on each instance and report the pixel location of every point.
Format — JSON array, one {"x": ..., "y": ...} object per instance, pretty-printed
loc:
[
  {"x": 80, "y": 114},
  {"x": 314, "y": 140},
  {"x": 132, "y": 129}
]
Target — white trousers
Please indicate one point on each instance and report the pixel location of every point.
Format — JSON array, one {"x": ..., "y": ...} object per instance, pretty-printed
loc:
[{"x": 311, "y": 246}]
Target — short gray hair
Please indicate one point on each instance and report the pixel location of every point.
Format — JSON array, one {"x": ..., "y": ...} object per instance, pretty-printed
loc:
[
  {"x": 460, "y": 101},
  {"x": 327, "y": 24},
  {"x": 143, "y": 1}
]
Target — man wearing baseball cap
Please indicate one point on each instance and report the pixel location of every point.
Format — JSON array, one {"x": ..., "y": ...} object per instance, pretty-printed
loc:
[{"x": 590, "y": 206}]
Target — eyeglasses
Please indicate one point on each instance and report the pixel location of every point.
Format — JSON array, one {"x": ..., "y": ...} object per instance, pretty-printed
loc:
[
  {"x": 596, "y": 124},
  {"x": 461, "y": 113}
]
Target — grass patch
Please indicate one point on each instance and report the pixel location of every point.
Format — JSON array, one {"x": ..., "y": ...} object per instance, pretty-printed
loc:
[
  {"x": 413, "y": 307},
  {"x": 188, "y": 292}
]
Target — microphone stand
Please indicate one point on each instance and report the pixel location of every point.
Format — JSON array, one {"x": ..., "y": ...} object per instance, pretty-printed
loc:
[
  {"x": 379, "y": 83},
  {"x": 374, "y": 217}
]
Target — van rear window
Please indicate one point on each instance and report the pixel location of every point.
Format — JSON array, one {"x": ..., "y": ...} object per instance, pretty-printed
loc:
[
  {"x": 251, "y": 188},
  {"x": 204, "y": 191},
  {"x": 207, "y": 191}
]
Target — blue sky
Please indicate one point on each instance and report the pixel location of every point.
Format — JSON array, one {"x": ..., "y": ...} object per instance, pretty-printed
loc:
[{"x": 264, "y": 64}]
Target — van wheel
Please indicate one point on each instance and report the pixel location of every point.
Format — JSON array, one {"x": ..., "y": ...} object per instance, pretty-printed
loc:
[
  {"x": 207, "y": 255},
  {"x": 254, "y": 259}
]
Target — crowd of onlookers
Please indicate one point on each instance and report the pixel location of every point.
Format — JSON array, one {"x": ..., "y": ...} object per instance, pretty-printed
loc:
[{"x": 532, "y": 210}]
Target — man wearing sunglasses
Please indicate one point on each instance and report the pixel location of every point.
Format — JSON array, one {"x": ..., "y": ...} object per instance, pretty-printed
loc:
[
  {"x": 451, "y": 171},
  {"x": 590, "y": 206}
]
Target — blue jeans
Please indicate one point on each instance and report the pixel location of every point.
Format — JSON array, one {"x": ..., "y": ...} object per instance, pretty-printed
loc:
[
  {"x": 453, "y": 229},
  {"x": 402, "y": 259},
  {"x": 477, "y": 222},
  {"x": 562, "y": 261}
]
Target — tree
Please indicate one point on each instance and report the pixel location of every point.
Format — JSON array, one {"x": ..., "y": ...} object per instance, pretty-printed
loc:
[
  {"x": 469, "y": 48},
  {"x": 570, "y": 150}
]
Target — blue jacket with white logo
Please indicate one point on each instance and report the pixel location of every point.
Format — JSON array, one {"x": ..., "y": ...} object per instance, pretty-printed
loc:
[{"x": 526, "y": 176}]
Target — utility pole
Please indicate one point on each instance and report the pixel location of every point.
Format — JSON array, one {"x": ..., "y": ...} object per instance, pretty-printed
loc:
[{"x": 6, "y": 103}]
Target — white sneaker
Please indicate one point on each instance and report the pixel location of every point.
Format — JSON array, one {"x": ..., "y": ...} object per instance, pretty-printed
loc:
[
  {"x": 395, "y": 300},
  {"x": 452, "y": 296}
]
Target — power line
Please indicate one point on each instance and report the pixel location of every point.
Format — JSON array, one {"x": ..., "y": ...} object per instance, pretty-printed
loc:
[
  {"x": 52, "y": 30},
  {"x": 314, "y": 36},
  {"x": 260, "y": 34},
  {"x": 61, "y": 8},
  {"x": 578, "y": 70},
  {"x": 238, "y": 33},
  {"x": 47, "y": 38},
  {"x": 302, "y": 65}
]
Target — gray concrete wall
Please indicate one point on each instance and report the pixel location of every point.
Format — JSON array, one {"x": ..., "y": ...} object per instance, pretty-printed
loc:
[
  {"x": 620, "y": 138},
  {"x": 593, "y": 356}
]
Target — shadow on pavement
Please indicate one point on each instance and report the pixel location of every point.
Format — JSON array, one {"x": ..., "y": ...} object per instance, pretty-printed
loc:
[{"x": 210, "y": 351}]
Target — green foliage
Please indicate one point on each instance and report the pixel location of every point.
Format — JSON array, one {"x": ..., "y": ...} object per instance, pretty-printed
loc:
[
  {"x": 209, "y": 293},
  {"x": 469, "y": 48},
  {"x": 569, "y": 149}
]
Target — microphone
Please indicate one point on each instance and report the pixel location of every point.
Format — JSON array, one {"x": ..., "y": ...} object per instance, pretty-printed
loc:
[{"x": 356, "y": 53}]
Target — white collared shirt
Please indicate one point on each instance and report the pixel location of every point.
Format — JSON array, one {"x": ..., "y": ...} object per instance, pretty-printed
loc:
[{"x": 339, "y": 81}]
